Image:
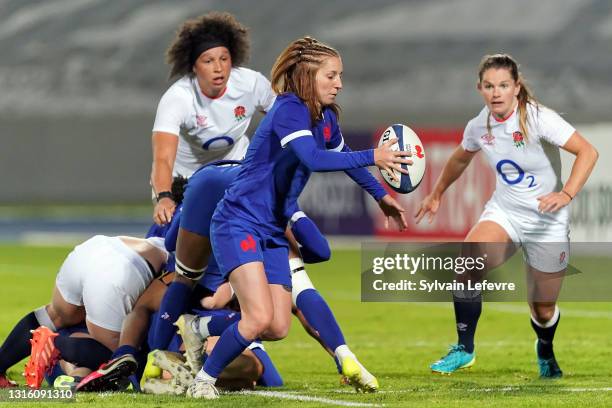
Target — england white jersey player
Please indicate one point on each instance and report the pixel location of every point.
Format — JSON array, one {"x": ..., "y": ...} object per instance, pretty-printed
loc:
[
  {"x": 210, "y": 129},
  {"x": 527, "y": 167}
]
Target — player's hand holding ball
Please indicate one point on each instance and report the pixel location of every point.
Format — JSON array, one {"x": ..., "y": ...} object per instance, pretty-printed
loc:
[
  {"x": 396, "y": 143},
  {"x": 389, "y": 160},
  {"x": 403, "y": 142}
]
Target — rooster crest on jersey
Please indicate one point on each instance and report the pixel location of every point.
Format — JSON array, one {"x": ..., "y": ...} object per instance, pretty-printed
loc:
[
  {"x": 248, "y": 244},
  {"x": 408, "y": 141}
]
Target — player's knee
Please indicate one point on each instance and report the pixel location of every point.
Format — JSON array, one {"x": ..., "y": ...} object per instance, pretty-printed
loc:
[
  {"x": 253, "y": 326},
  {"x": 543, "y": 313},
  {"x": 277, "y": 330}
]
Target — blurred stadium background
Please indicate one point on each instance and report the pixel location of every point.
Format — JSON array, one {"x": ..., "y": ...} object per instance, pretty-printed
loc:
[{"x": 80, "y": 81}]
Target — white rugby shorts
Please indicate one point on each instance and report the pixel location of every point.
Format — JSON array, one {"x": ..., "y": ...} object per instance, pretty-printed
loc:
[
  {"x": 545, "y": 246},
  {"x": 106, "y": 277}
]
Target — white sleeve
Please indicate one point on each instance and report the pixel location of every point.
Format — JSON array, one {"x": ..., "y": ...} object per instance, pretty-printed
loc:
[
  {"x": 469, "y": 141},
  {"x": 553, "y": 128},
  {"x": 171, "y": 111},
  {"x": 264, "y": 95}
]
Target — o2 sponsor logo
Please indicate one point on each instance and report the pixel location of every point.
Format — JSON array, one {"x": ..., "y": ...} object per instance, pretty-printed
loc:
[
  {"x": 513, "y": 179},
  {"x": 217, "y": 143}
]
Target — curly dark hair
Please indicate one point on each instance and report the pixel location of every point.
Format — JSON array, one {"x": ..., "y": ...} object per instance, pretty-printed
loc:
[
  {"x": 211, "y": 27},
  {"x": 178, "y": 188}
]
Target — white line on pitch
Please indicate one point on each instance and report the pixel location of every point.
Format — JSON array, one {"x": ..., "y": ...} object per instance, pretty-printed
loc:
[
  {"x": 307, "y": 398},
  {"x": 524, "y": 309},
  {"x": 587, "y": 389},
  {"x": 486, "y": 389}
]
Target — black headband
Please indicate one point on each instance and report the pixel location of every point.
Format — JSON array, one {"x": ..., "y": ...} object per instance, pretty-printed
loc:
[{"x": 205, "y": 46}]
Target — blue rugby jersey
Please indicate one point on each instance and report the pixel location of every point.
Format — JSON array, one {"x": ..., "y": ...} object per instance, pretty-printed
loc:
[{"x": 284, "y": 150}]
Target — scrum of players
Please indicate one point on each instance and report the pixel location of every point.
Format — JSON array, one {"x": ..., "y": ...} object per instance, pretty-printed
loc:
[{"x": 224, "y": 263}]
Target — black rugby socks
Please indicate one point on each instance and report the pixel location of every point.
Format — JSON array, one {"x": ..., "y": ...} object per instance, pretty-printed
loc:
[
  {"x": 467, "y": 313},
  {"x": 546, "y": 334}
]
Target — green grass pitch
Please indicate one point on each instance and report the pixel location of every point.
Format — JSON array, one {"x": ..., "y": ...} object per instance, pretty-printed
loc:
[{"x": 396, "y": 341}]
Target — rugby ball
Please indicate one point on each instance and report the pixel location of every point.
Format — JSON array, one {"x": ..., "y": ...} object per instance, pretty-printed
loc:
[{"x": 407, "y": 141}]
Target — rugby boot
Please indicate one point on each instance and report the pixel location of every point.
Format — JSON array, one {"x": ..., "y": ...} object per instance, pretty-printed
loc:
[
  {"x": 202, "y": 389},
  {"x": 163, "y": 387},
  {"x": 111, "y": 376},
  {"x": 175, "y": 364},
  {"x": 358, "y": 376},
  {"x": 150, "y": 370},
  {"x": 549, "y": 368},
  {"x": 42, "y": 357},
  {"x": 6, "y": 383},
  {"x": 191, "y": 340},
  {"x": 456, "y": 359},
  {"x": 66, "y": 382}
]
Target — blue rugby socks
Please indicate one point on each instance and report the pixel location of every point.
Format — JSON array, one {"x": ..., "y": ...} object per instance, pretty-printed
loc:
[
  {"x": 214, "y": 322},
  {"x": 270, "y": 376},
  {"x": 320, "y": 317},
  {"x": 173, "y": 304},
  {"x": 228, "y": 347}
]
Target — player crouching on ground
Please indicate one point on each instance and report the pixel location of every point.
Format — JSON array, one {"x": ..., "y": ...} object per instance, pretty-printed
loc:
[{"x": 97, "y": 285}]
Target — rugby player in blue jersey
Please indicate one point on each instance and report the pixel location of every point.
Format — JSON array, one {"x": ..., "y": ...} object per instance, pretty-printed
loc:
[
  {"x": 300, "y": 134},
  {"x": 206, "y": 187}
]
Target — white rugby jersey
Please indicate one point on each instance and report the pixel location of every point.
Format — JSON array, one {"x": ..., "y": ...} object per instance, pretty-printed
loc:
[
  {"x": 527, "y": 167},
  {"x": 211, "y": 129}
]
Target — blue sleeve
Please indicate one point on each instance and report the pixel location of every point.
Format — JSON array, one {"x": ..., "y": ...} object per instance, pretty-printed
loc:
[
  {"x": 319, "y": 160},
  {"x": 270, "y": 376},
  {"x": 314, "y": 246},
  {"x": 366, "y": 180},
  {"x": 157, "y": 231},
  {"x": 299, "y": 180},
  {"x": 291, "y": 120},
  {"x": 291, "y": 124},
  {"x": 171, "y": 263},
  {"x": 172, "y": 233}
]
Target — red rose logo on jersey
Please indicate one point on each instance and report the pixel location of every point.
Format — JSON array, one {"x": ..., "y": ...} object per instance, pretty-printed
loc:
[
  {"x": 239, "y": 113},
  {"x": 562, "y": 258},
  {"x": 518, "y": 139},
  {"x": 327, "y": 133}
]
